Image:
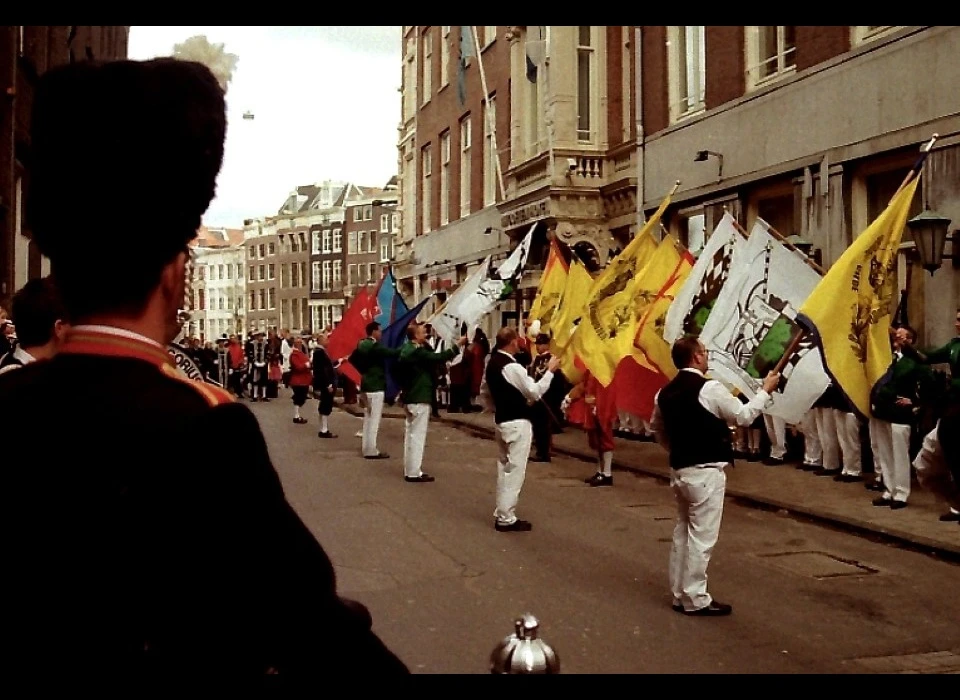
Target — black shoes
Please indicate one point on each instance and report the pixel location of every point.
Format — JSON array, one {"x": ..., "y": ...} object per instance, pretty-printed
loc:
[
  {"x": 422, "y": 479},
  {"x": 515, "y": 526},
  {"x": 300, "y": 420},
  {"x": 326, "y": 434},
  {"x": 810, "y": 467},
  {"x": 875, "y": 486},
  {"x": 828, "y": 472},
  {"x": 599, "y": 479},
  {"x": 950, "y": 517},
  {"x": 772, "y": 461},
  {"x": 715, "y": 609},
  {"x": 847, "y": 478},
  {"x": 893, "y": 505},
  {"x": 379, "y": 455}
]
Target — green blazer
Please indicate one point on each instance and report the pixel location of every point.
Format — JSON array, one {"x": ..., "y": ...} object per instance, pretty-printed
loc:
[
  {"x": 374, "y": 376},
  {"x": 949, "y": 354},
  {"x": 414, "y": 370},
  {"x": 904, "y": 379}
]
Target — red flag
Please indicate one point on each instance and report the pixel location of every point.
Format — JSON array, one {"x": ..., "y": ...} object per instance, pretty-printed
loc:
[
  {"x": 634, "y": 387},
  {"x": 351, "y": 330}
]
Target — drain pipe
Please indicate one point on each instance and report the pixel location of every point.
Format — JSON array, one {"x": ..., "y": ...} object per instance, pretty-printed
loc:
[{"x": 641, "y": 165}]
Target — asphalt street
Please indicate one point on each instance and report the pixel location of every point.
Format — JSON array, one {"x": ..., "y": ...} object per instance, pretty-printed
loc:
[{"x": 444, "y": 586}]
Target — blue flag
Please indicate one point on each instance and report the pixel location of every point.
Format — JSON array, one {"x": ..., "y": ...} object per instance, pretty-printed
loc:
[
  {"x": 389, "y": 301},
  {"x": 393, "y": 336}
]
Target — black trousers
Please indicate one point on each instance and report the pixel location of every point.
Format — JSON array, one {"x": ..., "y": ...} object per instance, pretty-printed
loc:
[
  {"x": 459, "y": 398},
  {"x": 542, "y": 429},
  {"x": 325, "y": 402}
]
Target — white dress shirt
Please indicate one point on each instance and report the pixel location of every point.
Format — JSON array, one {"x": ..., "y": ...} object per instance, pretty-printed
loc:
[
  {"x": 517, "y": 377},
  {"x": 717, "y": 399}
]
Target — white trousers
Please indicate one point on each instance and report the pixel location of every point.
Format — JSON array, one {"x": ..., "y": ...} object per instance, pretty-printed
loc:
[
  {"x": 848, "y": 434},
  {"x": 812, "y": 447},
  {"x": 699, "y": 492},
  {"x": 372, "y": 411},
  {"x": 414, "y": 437},
  {"x": 829, "y": 442},
  {"x": 514, "y": 438},
  {"x": 777, "y": 432},
  {"x": 934, "y": 473},
  {"x": 891, "y": 445}
]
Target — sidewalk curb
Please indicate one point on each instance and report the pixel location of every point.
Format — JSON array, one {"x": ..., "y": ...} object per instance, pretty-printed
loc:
[{"x": 945, "y": 552}]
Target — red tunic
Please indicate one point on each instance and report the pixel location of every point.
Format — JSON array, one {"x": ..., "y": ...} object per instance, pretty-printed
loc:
[{"x": 300, "y": 372}]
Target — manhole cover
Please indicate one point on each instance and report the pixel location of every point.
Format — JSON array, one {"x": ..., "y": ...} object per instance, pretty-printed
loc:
[{"x": 817, "y": 565}]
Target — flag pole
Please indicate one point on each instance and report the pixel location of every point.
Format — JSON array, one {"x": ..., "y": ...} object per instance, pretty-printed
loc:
[
  {"x": 779, "y": 236},
  {"x": 915, "y": 170},
  {"x": 486, "y": 95}
]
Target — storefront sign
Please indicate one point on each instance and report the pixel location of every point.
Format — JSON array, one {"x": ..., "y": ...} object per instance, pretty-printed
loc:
[{"x": 525, "y": 214}]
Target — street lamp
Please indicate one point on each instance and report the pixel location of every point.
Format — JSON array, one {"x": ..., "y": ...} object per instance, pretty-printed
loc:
[{"x": 930, "y": 235}]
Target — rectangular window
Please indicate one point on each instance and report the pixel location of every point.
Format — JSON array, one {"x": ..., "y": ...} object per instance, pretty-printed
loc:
[
  {"x": 270, "y": 272},
  {"x": 357, "y": 213},
  {"x": 303, "y": 274},
  {"x": 239, "y": 271},
  {"x": 361, "y": 241},
  {"x": 271, "y": 248},
  {"x": 337, "y": 240},
  {"x": 445, "y": 178},
  {"x": 368, "y": 213},
  {"x": 394, "y": 222},
  {"x": 585, "y": 70},
  {"x": 315, "y": 277},
  {"x": 466, "y": 135},
  {"x": 352, "y": 243},
  {"x": 326, "y": 275},
  {"x": 444, "y": 56},
  {"x": 294, "y": 246},
  {"x": 252, "y": 252},
  {"x": 315, "y": 243},
  {"x": 384, "y": 223},
  {"x": 262, "y": 299},
  {"x": 372, "y": 242},
  {"x": 385, "y": 249},
  {"x": 201, "y": 272},
  {"x": 271, "y": 299},
  {"x": 337, "y": 275},
  {"x": 201, "y": 300},
  {"x": 426, "y": 164},
  {"x": 687, "y": 73},
  {"x": 294, "y": 277},
  {"x": 260, "y": 250},
  {"x": 220, "y": 272},
  {"x": 426, "y": 79},
  {"x": 328, "y": 241},
  {"x": 253, "y": 275},
  {"x": 352, "y": 275},
  {"x": 253, "y": 301},
  {"x": 771, "y": 54},
  {"x": 490, "y": 151},
  {"x": 229, "y": 272},
  {"x": 372, "y": 275}
]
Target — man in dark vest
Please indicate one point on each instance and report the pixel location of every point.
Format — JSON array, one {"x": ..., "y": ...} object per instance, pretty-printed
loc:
[
  {"x": 511, "y": 391},
  {"x": 691, "y": 419}
]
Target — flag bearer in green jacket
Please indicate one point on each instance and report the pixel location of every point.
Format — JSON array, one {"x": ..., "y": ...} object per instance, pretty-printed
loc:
[
  {"x": 414, "y": 375},
  {"x": 370, "y": 360}
]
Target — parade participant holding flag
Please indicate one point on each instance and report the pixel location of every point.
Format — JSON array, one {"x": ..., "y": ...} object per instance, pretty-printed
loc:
[{"x": 370, "y": 360}]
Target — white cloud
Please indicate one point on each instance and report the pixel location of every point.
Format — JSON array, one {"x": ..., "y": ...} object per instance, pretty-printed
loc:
[{"x": 326, "y": 106}]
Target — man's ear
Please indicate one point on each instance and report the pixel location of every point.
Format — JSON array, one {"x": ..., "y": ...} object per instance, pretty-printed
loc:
[{"x": 173, "y": 279}]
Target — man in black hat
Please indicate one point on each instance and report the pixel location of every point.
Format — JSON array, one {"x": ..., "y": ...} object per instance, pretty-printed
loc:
[
  {"x": 156, "y": 541},
  {"x": 545, "y": 412}
]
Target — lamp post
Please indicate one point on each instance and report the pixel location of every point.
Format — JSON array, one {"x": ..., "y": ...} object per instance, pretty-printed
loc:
[{"x": 930, "y": 233}]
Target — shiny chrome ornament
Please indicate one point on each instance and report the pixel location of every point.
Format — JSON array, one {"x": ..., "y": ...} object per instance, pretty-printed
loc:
[{"x": 523, "y": 651}]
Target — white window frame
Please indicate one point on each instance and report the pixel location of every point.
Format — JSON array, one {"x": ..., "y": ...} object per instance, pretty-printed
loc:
[
  {"x": 352, "y": 272},
  {"x": 426, "y": 74},
  {"x": 372, "y": 272},
  {"x": 327, "y": 274},
  {"x": 384, "y": 249},
  {"x": 785, "y": 58},
  {"x": 394, "y": 222},
  {"x": 466, "y": 138},
  {"x": 489, "y": 36},
  {"x": 337, "y": 274},
  {"x": 271, "y": 298},
  {"x": 271, "y": 271},
  {"x": 337, "y": 240},
  {"x": 384, "y": 223},
  {"x": 327, "y": 241},
  {"x": 372, "y": 241},
  {"x": 587, "y": 129},
  {"x": 352, "y": 243},
  {"x": 315, "y": 242},
  {"x": 489, "y": 152},
  {"x": 368, "y": 213},
  {"x": 686, "y": 68},
  {"x": 861, "y": 35},
  {"x": 444, "y": 56},
  {"x": 361, "y": 242},
  {"x": 315, "y": 276},
  {"x": 358, "y": 213},
  {"x": 426, "y": 165},
  {"x": 445, "y": 178}
]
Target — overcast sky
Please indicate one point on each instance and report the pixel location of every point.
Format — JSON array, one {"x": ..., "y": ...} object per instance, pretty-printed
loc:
[{"x": 326, "y": 106}]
